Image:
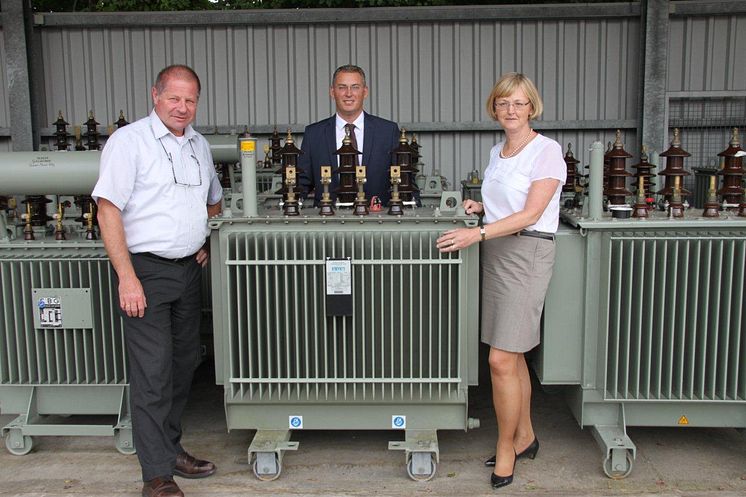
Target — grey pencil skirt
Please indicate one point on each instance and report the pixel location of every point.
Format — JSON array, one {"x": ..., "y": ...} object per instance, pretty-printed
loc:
[{"x": 515, "y": 276}]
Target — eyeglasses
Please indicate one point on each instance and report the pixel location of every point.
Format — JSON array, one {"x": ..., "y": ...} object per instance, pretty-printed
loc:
[
  {"x": 505, "y": 105},
  {"x": 346, "y": 88},
  {"x": 173, "y": 171}
]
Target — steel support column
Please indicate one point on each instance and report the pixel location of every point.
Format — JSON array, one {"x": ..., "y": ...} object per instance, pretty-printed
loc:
[
  {"x": 15, "y": 14},
  {"x": 653, "y": 74}
]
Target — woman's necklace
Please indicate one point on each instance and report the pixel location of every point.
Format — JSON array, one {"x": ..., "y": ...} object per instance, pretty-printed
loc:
[{"x": 518, "y": 149}]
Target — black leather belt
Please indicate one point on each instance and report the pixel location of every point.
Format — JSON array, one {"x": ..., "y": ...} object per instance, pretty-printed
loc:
[
  {"x": 151, "y": 255},
  {"x": 536, "y": 234}
]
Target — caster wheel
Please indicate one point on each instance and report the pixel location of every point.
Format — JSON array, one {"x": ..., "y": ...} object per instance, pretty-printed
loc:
[
  {"x": 19, "y": 446},
  {"x": 618, "y": 473},
  {"x": 419, "y": 468},
  {"x": 123, "y": 442},
  {"x": 267, "y": 467}
]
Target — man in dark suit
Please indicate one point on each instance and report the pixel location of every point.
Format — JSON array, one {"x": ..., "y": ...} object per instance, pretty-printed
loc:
[{"x": 374, "y": 136}]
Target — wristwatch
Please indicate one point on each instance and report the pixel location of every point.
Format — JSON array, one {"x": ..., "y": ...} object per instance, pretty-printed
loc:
[{"x": 482, "y": 233}]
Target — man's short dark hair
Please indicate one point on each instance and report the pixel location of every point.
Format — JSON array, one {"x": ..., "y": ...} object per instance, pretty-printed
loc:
[
  {"x": 349, "y": 68},
  {"x": 176, "y": 71}
]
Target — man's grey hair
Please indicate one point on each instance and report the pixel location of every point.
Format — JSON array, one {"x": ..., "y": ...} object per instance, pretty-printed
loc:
[
  {"x": 349, "y": 68},
  {"x": 179, "y": 71}
]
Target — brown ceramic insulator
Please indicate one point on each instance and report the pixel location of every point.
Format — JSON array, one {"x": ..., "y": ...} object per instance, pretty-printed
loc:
[
  {"x": 91, "y": 132},
  {"x": 732, "y": 171},
  {"x": 572, "y": 170},
  {"x": 325, "y": 208},
  {"x": 121, "y": 122},
  {"x": 347, "y": 188},
  {"x": 61, "y": 132},
  {"x": 402, "y": 156},
  {"x": 640, "y": 210},
  {"x": 415, "y": 150},
  {"x": 288, "y": 157},
  {"x": 290, "y": 205},
  {"x": 644, "y": 169},
  {"x": 711, "y": 209},
  {"x": 616, "y": 189},
  {"x": 606, "y": 166},
  {"x": 275, "y": 148},
  {"x": 674, "y": 167}
]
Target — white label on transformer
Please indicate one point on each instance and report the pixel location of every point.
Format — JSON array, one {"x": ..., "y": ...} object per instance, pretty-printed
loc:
[
  {"x": 338, "y": 277},
  {"x": 50, "y": 312}
]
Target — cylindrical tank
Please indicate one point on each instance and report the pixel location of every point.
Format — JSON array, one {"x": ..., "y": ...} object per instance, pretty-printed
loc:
[
  {"x": 42, "y": 173},
  {"x": 76, "y": 173},
  {"x": 224, "y": 148},
  {"x": 248, "y": 175}
]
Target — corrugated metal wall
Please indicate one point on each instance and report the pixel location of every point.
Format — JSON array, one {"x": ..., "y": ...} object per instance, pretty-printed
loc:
[
  {"x": 707, "y": 53},
  {"x": 419, "y": 73},
  {"x": 434, "y": 76},
  {"x": 428, "y": 75}
]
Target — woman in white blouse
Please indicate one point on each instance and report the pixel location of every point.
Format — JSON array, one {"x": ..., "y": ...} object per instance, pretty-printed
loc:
[{"x": 520, "y": 192}]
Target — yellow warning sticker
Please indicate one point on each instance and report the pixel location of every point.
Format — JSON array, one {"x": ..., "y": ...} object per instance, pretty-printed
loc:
[
  {"x": 683, "y": 420},
  {"x": 248, "y": 146}
]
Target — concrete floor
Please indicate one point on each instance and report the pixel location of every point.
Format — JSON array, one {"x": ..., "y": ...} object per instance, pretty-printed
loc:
[{"x": 670, "y": 462}]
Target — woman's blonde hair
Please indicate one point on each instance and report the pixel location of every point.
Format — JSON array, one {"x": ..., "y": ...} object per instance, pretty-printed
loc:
[{"x": 509, "y": 83}]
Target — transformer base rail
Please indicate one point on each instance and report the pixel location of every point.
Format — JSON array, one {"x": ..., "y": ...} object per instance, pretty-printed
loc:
[
  {"x": 266, "y": 450},
  {"x": 20, "y": 431},
  {"x": 421, "y": 453}
]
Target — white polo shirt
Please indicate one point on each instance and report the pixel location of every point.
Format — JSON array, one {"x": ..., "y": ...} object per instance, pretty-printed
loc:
[
  {"x": 162, "y": 184},
  {"x": 507, "y": 181}
]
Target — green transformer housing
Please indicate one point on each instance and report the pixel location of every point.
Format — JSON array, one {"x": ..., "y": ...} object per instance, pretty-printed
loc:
[
  {"x": 644, "y": 318},
  {"x": 345, "y": 322},
  {"x": 62, "y": 351}
]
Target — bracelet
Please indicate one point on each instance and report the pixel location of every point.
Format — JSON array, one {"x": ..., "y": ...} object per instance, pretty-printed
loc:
[{"x": 482, "y": 233}]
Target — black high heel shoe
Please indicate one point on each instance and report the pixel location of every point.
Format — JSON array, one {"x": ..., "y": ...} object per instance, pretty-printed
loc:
[
  {"x": 498, "y": 481},
  {"x": 529, "y": 452}
]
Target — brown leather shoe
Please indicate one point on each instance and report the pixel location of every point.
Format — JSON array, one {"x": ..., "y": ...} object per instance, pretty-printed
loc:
[
  {"x": 188, "y": 466},
  {"x": 160, "y": 487}
]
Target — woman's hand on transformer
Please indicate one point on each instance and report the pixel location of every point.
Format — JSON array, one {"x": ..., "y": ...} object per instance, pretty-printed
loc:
[
  {"x": 458, "y": 239},
  {"x": 473, "y": 207}
]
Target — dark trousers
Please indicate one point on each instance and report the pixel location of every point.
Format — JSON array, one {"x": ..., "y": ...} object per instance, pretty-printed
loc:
[{"x": 163, "y": 352}]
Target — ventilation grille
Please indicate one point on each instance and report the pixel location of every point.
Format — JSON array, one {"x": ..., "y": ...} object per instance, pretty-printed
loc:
[
  {"x": 676, "y": 318},
  {"x": 403, "y": 340},
  {"x": 58, "y": 356}
]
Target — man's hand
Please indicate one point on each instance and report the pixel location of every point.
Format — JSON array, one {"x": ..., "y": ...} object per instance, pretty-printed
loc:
[
  {"x": 203, "y": 255},
  {"x": 131, "y": 297}
]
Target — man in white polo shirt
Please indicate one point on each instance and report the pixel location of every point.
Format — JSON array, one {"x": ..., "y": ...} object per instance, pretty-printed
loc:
[{"x": 156, "y": 188}]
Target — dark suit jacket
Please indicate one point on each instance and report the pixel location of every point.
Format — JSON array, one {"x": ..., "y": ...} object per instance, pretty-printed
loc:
[{"x": 380, "y": 138}]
